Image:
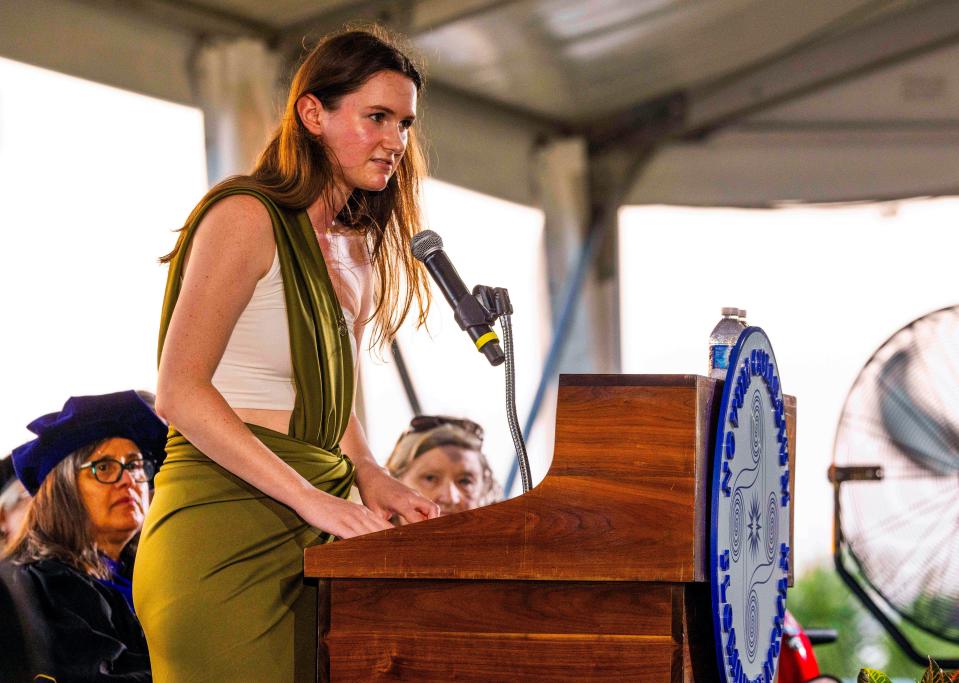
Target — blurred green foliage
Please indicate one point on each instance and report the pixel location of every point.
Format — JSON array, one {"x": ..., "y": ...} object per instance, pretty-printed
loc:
[
  {"x": 821, "y": 600},
  {"x": 872, "y": 676},
  {"x": 900, "y": 665},
  {"x": 933, "y": 673}
]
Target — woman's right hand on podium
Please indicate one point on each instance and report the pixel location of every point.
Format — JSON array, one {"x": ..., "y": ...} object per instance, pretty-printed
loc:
[{"x": 339, "y": 517}]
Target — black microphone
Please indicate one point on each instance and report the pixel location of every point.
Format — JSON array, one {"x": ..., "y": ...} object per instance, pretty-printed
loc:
[{"x": 469, "y": 313}]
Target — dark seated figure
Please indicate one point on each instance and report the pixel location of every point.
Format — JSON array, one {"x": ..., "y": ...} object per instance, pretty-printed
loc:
[
  {"x": 76, "y": 628},
  {"x": 23, "y": 640},
  {"x": 67, "y": 572}
]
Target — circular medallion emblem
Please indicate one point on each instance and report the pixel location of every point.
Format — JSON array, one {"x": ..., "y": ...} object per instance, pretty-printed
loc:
[{"x": 749, "y": 545}]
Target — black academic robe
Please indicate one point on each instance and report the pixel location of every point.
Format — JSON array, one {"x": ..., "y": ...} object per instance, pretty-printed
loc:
[{"x": 89, "y": 631}]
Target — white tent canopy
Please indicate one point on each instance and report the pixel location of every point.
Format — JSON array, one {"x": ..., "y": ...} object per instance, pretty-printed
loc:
[{"x": 828, "y": 100}]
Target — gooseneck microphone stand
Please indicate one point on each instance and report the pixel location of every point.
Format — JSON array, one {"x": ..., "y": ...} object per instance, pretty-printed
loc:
[
  {"x": 495, "y": 302},
  {"x": 475, "y": 313}
]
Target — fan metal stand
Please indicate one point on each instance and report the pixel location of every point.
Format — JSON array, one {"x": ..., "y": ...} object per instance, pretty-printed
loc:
[{"x": 837, "y": 476}]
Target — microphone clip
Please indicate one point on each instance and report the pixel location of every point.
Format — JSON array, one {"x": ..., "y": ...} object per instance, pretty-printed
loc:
[
  {"x": 494, "y": 299},
  {"x": 477, "y": 312},
  {"x": 483, "y": 307}
]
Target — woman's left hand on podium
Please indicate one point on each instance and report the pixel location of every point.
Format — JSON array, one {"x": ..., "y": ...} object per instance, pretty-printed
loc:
[{"x": 387, "y": 497}]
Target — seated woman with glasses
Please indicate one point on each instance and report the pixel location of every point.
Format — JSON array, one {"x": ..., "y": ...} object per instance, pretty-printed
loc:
[
  {"x": 88, "y": 471},
  {"x": 442, "y": 458}
]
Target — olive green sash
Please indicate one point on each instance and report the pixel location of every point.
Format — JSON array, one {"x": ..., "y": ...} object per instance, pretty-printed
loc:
[
  {"x": 319, "y": 341},
  {"x": 190, "y": 480},
  {"x": 219, "y": 571}
]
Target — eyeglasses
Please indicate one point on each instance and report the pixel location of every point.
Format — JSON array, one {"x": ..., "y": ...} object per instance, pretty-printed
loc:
[
  {"x": 110, "y": 471},
  {"x": 423, "y": 423}
]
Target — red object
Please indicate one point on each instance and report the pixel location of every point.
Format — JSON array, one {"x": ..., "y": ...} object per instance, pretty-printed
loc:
[{"x": 797, "y": 663}]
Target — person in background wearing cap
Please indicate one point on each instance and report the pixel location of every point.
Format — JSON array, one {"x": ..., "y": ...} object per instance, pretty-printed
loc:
[
  {"x": 442, "y": 458},
  {"x": 88, "y": 470}
]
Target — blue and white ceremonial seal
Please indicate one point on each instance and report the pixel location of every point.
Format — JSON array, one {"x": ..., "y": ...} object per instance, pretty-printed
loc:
[{"x": 750, "y": 524}]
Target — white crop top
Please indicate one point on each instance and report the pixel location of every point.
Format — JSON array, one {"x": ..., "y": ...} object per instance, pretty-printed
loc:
[{"x": 256, "y": 370}]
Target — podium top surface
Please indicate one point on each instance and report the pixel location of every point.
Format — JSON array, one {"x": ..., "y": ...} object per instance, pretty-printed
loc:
[
  {"x": 625, "y": 498},
  {"x": 614, "y": 380}
]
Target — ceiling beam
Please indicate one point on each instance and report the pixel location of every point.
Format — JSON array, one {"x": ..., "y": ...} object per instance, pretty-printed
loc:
[
  {"x": 891, "y": 39},
  {"x": 191, "y": 17},
  {"x": 206, "y": 22},
  {"x": 638, "y": 127},
  {"x": 409, "y": 17},
  {"x": 797, "y": 72},
  {"x": 413, "y": 18},
  {"x": 293, "y": 35},
  {"x": 430, "y": 15},
  {"x": 547, "y": 126}
]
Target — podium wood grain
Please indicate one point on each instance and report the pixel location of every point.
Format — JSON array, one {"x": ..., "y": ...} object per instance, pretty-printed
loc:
[{"x": 598, "y": 573}]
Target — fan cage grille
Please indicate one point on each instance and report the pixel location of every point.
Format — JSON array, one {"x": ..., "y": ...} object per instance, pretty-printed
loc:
[{"x": 902, "y": 531}]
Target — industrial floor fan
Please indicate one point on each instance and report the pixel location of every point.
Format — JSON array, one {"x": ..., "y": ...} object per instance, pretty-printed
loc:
[{"x": 895, "y": 476}]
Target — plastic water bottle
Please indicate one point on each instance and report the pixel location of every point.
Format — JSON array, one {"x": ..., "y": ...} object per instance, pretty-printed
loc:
[{"x": 722, "y": 340}]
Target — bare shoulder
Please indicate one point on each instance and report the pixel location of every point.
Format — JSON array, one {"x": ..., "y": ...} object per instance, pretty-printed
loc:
[
  {"x": 236, "y": 227},
  {"x": 239, "y": 215}
]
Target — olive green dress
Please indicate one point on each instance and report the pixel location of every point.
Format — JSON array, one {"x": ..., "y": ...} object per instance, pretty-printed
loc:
[{"x": 218, "y": 584}]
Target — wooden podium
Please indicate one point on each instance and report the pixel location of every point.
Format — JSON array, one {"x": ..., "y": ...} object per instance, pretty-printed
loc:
[{"x": 598, "y": 573}]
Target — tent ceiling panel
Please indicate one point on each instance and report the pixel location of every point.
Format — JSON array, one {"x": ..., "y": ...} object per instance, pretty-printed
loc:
[
  {"x": 571, "y": 61},
  {"x": 921, "y": 90},
  {"x": 508, "y": 73},
  {"x": 576, "y": 61},
  {"x": 888, "y": 134},
  {"x": 826, "y": 61}
]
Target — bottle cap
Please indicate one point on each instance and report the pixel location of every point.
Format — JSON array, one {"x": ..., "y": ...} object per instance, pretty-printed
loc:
[
  {"x": 730, "y": 311},
  {"x": 742, "y": 313}
]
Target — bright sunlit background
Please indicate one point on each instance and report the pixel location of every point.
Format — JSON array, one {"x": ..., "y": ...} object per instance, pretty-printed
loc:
[
  {"x": 93, "y": 180},
  {"x": 491, "y": 242},
  {"x": 91, "y": 189},
  {"x": 828, "y": 285}
]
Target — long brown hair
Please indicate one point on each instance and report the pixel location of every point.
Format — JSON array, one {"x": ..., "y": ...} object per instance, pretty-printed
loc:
[
  {"x": 296, "y": 167},
  {"x": 57, "y": 526}
]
